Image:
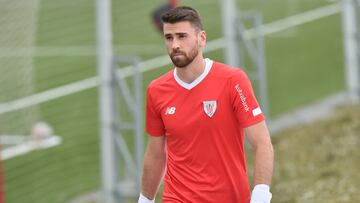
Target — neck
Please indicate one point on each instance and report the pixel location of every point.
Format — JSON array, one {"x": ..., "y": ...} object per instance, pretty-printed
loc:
[{"x": 189, "y": 73}]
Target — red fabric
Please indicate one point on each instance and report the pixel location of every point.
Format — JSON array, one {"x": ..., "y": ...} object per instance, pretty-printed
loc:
[
  {"x": 173, "y": 3},
  {"x": 206, "y": 160}
]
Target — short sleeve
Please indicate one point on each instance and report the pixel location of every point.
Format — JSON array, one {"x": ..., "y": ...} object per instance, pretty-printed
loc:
[
  {"x": 244, "y": 103},
  {"x": 154, "y": 123}
]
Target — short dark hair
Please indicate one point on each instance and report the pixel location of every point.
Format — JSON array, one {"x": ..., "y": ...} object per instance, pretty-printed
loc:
[{"x": 183, "y": 13}]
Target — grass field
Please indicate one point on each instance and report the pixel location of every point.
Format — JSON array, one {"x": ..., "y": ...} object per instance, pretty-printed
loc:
[
  {"x": 319, "y": 162},
  {"x": 304, "y": 64}
]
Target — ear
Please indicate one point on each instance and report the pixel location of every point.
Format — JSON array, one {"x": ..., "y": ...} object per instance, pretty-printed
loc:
[{"x": 202, "y": 35}]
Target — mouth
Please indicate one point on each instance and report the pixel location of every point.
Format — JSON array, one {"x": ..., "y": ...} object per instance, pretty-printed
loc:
[{"x": 177, "y": 54}]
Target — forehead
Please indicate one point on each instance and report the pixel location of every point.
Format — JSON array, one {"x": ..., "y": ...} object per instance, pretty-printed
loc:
[{"x": 179, "y": 27}]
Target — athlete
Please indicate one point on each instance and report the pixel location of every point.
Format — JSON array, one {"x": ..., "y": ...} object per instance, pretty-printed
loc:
[
  {"x": 157, "y": 13},
  {"x": 196, "y": 116}
]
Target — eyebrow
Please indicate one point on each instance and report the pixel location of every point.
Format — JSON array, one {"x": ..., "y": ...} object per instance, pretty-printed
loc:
[{"x": 178, "y": 33}]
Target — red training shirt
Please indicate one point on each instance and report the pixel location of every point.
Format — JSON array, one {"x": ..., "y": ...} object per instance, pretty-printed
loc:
[{"x": 204, "y": 127}]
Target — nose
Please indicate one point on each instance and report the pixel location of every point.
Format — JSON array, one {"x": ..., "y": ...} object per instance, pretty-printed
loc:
[{"x": 175, "y": 44}]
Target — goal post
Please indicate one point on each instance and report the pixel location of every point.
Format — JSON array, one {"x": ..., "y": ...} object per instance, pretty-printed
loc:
[
  {"x": 120, "y": 180},
  {"x": 351, "y": 30}
]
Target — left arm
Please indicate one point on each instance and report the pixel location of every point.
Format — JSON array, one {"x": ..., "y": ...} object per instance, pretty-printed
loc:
[{"x": 259, "y": 138}]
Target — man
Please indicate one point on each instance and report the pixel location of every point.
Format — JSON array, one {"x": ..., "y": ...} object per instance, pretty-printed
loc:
[
  {"x": 156, "y": 14},
  {"x": 196, "y": 115}
]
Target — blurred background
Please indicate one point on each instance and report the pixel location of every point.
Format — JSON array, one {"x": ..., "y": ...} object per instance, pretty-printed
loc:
[{"x": 57, "y": 145}]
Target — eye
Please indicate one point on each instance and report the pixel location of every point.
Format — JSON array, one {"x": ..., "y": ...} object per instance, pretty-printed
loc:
[
  {"x": 168, "y": 38},
  {"x": 182, "y": 36}
]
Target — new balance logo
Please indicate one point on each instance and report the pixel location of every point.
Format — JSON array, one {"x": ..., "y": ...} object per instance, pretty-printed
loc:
[{"x": 170, "y": 110}]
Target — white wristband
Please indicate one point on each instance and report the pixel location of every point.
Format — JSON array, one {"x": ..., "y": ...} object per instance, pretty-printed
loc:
[
  {"x": 143, "y": 199},
  {"x": 261, "y": 194}
]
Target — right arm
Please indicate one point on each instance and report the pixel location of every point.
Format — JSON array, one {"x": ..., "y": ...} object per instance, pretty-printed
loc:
[{"x": 154, "y": 166}]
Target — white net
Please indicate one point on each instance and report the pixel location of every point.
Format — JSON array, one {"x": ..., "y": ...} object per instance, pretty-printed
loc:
[
  {"x": 48, "y": 131},
  {"x": 16, "y": 72}
]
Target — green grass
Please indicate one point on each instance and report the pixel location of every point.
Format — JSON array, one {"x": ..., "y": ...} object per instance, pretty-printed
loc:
[
  {"x": 304, "y": 64},
  {"x": 318, "y": 162},
  {"x": 56, "y": 71},
  {"x": 66, "y": 23},
  {"x": 56, "y": 174}
]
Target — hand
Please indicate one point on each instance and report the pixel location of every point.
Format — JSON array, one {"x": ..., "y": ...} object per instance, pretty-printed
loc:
[
  {"x": 261, "y": 194},
  {"x": 143, "y": 199}
]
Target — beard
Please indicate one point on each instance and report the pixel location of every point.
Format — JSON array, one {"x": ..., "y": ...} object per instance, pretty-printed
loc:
[{"x": 181, "y": 59}]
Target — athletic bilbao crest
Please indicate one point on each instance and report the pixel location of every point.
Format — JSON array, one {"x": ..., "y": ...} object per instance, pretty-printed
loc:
[{"x": 209, "y": 107}]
